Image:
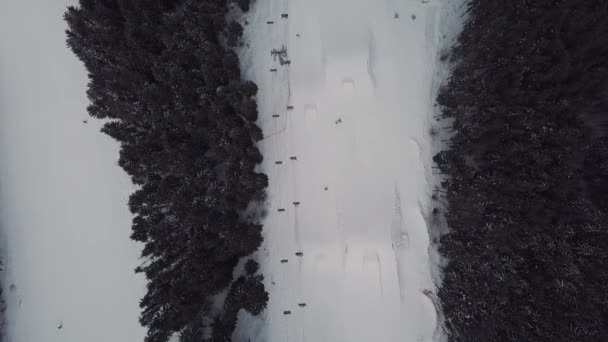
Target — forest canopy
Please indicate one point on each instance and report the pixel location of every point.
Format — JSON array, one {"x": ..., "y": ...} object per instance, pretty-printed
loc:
[
  {"x": 527, "y": 173},
  {"x": 172, "y": 95}
]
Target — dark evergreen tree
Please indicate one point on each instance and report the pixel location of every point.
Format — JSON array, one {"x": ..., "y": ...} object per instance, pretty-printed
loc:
[
  {"x": 251, "y": 266},
  {"x": 234, "y": 32},
  {"x": 244, "y": 5},
  {"x": 527, "y": 173},
  {"x": 185, "y": 120},
  {"x": 248, "y": 293}
]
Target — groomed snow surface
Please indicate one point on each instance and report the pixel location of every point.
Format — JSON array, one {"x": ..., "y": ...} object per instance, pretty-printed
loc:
[
  {"x": 63, "y": 215},
  {"x": 347, "y": 148}
]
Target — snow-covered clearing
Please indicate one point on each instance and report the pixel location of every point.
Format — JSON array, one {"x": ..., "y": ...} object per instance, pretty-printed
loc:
[
  {"x": 348, "y": 153},
  {"x": 64, "y": 220}
]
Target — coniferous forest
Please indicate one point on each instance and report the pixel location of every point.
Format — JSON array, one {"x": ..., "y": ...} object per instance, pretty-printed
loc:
[
  {"x": 172, "y": 95},
  {"x": 527, "y": 173}
]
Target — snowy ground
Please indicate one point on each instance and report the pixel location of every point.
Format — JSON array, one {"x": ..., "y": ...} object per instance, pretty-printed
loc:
[
  {"x": 62, "y": 196},
  {"x": 351, "y": 144}
]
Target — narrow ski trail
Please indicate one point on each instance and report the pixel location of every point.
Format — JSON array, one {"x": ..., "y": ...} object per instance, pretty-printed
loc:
[{"x": 346, "y": 241}]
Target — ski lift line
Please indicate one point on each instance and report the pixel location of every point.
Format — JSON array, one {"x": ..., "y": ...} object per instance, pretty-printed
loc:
[
  {"x": 284, "y": 128},
  {"x": 277, "y": 171},
  {"x": 291, "y": 142},
  {"x": 287, "y": 124},
  {"x": 296, "y": 187},
  {"x": 297, "y": 235},
  {"x": 295, "y": 290}
]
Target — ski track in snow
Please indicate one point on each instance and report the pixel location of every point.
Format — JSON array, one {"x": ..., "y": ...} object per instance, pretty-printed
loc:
[{"x": 354, "y": 107}]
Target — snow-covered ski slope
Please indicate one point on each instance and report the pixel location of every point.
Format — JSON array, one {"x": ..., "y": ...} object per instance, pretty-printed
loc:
[
  {"x": 347, "y": 149},
  {"x": 68, "y": 274}
]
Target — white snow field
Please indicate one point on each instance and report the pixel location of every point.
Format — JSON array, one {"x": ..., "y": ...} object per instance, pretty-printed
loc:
[
  {"x": 64, "y": 220},
  {"x": 348, "y": 153}
]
